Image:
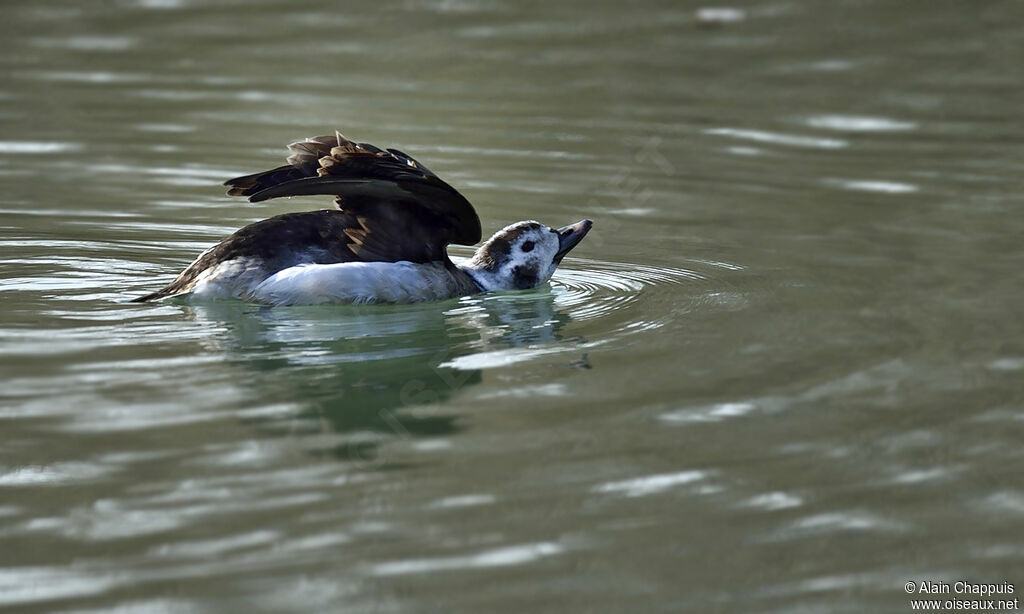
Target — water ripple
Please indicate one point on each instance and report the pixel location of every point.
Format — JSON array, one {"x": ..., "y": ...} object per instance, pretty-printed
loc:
[
  {"x": 603, "y": 288},
  {"x": 499, "y": 557},
  {"x": 762, "y": 136},
  {"x": 650, "y": 484},
  {"x": 616, "y": 293},
  {"x": 887, "y": 187},
  {"x": 853, "y": 123},
  {"x": 36, "y": 147}
]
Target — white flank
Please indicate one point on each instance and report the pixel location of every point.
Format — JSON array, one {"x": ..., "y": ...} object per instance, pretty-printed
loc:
[
  {"x": 357, "y": 282},
  {"x": 235, "y": 278}
]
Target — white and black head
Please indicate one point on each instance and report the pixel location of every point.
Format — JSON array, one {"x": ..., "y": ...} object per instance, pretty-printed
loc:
[{"x": 524, "y": 255}]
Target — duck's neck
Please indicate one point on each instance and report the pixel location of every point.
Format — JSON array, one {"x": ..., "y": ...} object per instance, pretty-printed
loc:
[{"x": 483, "y": 278}]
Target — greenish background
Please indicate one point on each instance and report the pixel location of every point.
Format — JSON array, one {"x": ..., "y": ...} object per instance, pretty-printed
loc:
[{"x": 784, "y": 373}]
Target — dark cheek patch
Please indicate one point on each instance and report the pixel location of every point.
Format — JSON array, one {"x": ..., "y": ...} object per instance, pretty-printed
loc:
[
  {"x": 524, "y": 277},
  {"x": 499, "y": 251}
]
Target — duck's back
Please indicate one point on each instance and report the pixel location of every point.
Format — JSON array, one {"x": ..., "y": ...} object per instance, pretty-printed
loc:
[
  {"x": 240, "y": 262},
  {"x": 308, "y": 258}
]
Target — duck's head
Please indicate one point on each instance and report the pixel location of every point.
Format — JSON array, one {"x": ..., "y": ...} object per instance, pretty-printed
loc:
[{"x": 524, "y": 254}]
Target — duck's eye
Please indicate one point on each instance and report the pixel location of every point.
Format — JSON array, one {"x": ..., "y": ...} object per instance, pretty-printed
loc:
[{"x": 527, "y": 247}]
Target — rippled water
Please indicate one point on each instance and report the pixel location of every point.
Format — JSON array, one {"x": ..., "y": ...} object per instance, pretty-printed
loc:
[{"x": 782, "y": 374}]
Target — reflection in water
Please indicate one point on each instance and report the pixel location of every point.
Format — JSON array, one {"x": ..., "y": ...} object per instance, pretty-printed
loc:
[{"x": 371, "y": 372}]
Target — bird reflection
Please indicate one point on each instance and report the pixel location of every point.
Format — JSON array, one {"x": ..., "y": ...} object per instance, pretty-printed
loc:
[{"x": 371, "y": 372}]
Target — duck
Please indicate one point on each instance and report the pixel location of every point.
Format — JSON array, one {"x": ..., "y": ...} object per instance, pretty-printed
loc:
[{"x": 385, "y": 240}]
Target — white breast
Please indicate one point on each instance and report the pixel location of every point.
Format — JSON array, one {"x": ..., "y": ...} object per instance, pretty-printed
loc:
[{"x": 357, "y": 282}]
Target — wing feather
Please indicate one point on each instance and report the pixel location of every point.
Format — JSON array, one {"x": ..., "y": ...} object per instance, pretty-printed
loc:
[{"x": 406, "y": 212}]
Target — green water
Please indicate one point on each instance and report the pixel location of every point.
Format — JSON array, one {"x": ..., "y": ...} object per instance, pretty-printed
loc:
[{"x": 784, "y": 372}]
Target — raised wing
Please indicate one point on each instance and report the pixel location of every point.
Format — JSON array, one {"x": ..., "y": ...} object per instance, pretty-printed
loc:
[{"x": 400, "y": 209}]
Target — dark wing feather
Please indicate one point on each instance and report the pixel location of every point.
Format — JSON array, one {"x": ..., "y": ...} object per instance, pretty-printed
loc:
[
  {"x": 393, "y": 230},
  {"x": 257, "y": 182},
  {"x": 277, "y": 243},
  {"x": 405, "y": 211}
]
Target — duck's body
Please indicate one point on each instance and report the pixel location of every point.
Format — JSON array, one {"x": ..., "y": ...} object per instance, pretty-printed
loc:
[
  {"x": 364, "y": 282},
  {"x": 385, "y": 242},
  {"x": 296, "y": 258}
]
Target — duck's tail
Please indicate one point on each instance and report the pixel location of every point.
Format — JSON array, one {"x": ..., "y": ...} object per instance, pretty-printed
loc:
[{"x": 152, "y": 296}]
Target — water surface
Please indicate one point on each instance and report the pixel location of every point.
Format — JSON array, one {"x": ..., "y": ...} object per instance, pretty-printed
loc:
[{"x": 782, "y": 374}]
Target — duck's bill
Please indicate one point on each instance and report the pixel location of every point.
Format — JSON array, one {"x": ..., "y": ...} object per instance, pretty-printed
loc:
[{"x": 570, "y": 236}]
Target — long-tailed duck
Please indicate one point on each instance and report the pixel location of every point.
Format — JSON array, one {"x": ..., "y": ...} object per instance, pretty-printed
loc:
[{"x": 385, "y": 241}]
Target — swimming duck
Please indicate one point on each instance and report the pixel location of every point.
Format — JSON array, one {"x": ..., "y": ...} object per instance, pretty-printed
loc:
[{"x": 384, "y": 242}]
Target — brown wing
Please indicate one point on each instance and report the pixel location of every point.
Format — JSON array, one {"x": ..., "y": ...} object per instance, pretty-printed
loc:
[{"x": 404, "y": 211}]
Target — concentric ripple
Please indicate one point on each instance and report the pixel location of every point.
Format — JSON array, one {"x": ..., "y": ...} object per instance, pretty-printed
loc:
[{"x": 598, "y": 289}]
